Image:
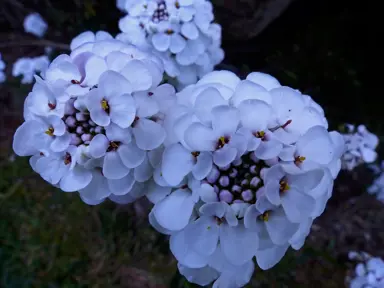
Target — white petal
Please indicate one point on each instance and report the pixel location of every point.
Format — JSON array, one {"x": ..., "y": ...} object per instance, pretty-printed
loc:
[
  {"x": 118, "y": 134},
  {"x": 75, "y": 179},
  {"x": 297, "y": 205},
  {"x": 201, "y": 276},
  {"x": 113, "y": 167},
  {"x": 368, "y": 155},
  {"x": 200, "y": 138},
  {"x": 183, "y": 253},
  {"x": 203, "y": 235},
  {"x": 82, "y": 38},
  {"x": 255, "y": 115},
  {"x": 226, "y": 78},
  {"x": 100, "y": 117},
  {"x": 280, "y": 229},
  {"x": 206, "y": 101},
  {"x": 316, "y": 145},
  {"x": 173, "y": 212},
  {"x": 238, "y": 243},
  {"x": 97, "y": 189},
  {"x": 207, "y": 193},
  {"x": 265, "y": 80},
  {"x": 156, "y": 193},
  {"x": 98, "y": 146},
  {"x": 189, "y": 30},
  {"x": 156, "y": 225},
  {"x": 61, "y": 143},
  {"x": 247, "y": 90},
  {"x": 224, "y": 156},
  {"x": 144, "y": 171},
  {"x": 121, "y": 186},
  {"x": 268, "y": 149},
  {"x": 161, "y": 41},
  {"x": 94, "y": 67},
  {"x": 225, "y": 120},
  {"x": 146, "y": 105},
  {"x": 268, "y": 258},
  {"x": 131, "y": 155},
  {"x": 148, "y": 134},
  {"x": 177, "y": 163},
  {"x": 114, "y": 84},
  {"x": 23, "y": 140},
  {"x": 178, "y": 43},
  {"x": 137, "y": 74},
  {"x": 203, "y": 165}
]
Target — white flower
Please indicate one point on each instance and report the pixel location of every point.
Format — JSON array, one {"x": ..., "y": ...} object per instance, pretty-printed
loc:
[
  {"x": 2, "y": 67},
  {"x": 247, "y": 166},
  {"x": 28, "y": 67},
  {"x": 369, "y": 272},
  {"x": 181, "y": 32},
  {"x": 360, "y": 147},
  {"x": 103, "y": 106},
  {"x": 35, "y": 25}
]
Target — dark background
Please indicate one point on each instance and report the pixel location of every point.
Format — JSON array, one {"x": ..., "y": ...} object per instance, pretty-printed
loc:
[{"x": 327, "y": 49}]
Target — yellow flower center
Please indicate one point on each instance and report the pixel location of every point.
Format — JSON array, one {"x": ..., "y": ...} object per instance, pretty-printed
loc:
[
  {"x": 50, "y": 131},
  {"x": 284, "y": 186},
  {"x": 169, "y": 31},
  {"x": 265, "y": 216},
  {"x": 177, "y": 4},
  {"x": 260, "y": 134},
  {"x": 104, "y": 105},
  {"x": 299, "y": 159}
]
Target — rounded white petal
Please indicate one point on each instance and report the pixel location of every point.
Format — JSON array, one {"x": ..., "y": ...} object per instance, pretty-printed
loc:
[{"x": 148, "y": 134}]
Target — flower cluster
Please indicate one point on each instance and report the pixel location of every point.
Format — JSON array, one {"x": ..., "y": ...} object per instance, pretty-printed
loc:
[
  {"x": 369, "y": 272},
  {"x": 93, "y": 122},
  {"x": 2, "y": 67},
  {"x": 247, "y": 166},
  {"x": 27, "y": 68},
  {"x": 360, "y": 146},
  {"x": 180, "y": 31},
  {"x": 377, "y": 188},
  {"x": 35, "y": 25}
]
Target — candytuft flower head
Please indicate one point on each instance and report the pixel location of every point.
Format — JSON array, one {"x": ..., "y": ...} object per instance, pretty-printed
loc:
[
  {"x": 247, "y": 166},
  {"x": 360, "y": 146},
  {"x": 93, "y": 121},
  {"x": 369, "y": 271},
  {"x": 35, "y": 25},
  {"x": 180, "y": 31}
]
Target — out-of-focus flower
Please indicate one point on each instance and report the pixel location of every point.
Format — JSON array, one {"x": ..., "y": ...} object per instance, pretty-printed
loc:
[
  {"x": 2, "y": 68},
  {"x": 181, "y": 32},
  {"x": 247, "y": 166},
  {"x": 93, "y": 120},
  {"x": 369, "y": 271},
  {"x": 28, "y": 67},
  {"x": 35, "y": 25},
  {"x": 360, "y": 145}
]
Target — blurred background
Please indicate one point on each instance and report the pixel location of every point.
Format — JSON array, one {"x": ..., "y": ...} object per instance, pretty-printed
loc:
[{"x": 323, "y": 48}]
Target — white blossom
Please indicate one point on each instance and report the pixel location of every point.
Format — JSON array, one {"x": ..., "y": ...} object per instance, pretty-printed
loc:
[
  {"x": 93, "y": 120},
  {"x": 247, "y": 166},
  {"x": 28, "y": 67},
  {"x": 35, "y": 24},
  {"x": 360, "y": 146},
  {"x": 2, "y": 68},
  {"x": 180, "y": 31},
  {"x": 369, "y": 271}
]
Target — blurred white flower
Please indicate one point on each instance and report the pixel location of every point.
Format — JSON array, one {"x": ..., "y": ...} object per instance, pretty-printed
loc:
[
  {"x": 369, "y": 271},
  {"x": 35, "y": 24},
  {"x": 2, "y": 68},
  {"x": 93, "y": 120},
  {"x": 28, "y": 67},
  {"x": 360, "y": 145},
  {"x": 180, "y": 31},
  {"x": 247, "y": 166}
]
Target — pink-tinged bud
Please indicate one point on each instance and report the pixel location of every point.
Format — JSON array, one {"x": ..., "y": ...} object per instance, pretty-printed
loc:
[
  {"x": 224, "y": 181},
  {"x": 226, "y": 196},
  {"x": 247, "y": 195},
  {"x": 70, "y": 121},
  {"x": 213, "y": 175},
  {"x": 86, "y": 137}
]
